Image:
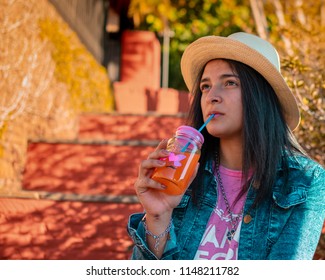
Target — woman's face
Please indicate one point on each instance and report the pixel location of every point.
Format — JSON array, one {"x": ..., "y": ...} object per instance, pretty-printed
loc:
[{"x": 221, "y": 95}]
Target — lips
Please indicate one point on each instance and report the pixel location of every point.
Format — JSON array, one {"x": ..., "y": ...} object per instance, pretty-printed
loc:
[{"x": 216, "y": 114}]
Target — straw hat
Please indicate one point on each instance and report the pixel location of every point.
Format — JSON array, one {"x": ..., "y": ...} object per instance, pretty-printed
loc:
[{"x": 248, "y": 49}]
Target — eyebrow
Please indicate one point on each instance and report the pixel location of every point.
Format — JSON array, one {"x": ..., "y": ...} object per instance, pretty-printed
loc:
[{"x": 223, "y": 76}]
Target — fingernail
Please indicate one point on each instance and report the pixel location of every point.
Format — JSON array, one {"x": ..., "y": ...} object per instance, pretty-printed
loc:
[
  {"x": 162, "y": 162},
  {"x": 165, "y": 152}
]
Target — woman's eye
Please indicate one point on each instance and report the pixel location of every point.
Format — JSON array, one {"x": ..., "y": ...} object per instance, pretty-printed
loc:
[
  {"x": 231, "y": 83},
  {"x": 204, "y": 87}
]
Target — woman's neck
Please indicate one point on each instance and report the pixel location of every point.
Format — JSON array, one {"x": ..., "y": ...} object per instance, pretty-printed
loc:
[{"x": 231, "y": 154}]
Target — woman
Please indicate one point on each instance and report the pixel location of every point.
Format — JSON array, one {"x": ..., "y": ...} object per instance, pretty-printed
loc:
[{"x": 256, "y": 194}]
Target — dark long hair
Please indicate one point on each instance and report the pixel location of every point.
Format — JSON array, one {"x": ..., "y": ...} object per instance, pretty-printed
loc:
[{"x": 267, "y": 140}]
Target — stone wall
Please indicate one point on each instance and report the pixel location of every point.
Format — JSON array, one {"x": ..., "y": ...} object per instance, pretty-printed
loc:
[{"x": 35, "y": 102}]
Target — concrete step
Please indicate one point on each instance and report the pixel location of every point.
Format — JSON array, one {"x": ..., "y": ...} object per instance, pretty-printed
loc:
[
  {"x": 83, "y": 168},
  {"x": 128, "y": 127},
  {"x": 44, "y": 229},
  {"x": 85, "y": 190},
  {"x": 103, "y": 163}
]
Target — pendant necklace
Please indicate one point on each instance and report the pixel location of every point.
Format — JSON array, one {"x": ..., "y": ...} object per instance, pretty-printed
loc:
[{"x": 233, "y": 220}]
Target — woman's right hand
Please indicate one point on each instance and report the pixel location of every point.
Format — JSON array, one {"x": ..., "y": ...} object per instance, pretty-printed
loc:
[{"x": 155, "y": 202}]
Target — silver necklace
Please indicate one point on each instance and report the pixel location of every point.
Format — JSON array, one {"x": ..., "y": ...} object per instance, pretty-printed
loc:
[{"x": 233, "y": 220}]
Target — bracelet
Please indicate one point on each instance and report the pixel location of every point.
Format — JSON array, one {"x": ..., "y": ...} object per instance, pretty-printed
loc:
[{"x": 156, "y": 237}]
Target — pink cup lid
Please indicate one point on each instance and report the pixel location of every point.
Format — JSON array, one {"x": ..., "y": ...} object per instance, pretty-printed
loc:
[{"x": 191, "y": 132}]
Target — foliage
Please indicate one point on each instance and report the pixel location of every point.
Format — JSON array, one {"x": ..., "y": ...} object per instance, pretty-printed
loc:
[
  {"x": 2, "y": 131},
  {"x": 189, "y": 20},
  {"x": 302, "y": 59},
  {"x": 87, "y": 81},
  {"x": 303, "y": 63}
]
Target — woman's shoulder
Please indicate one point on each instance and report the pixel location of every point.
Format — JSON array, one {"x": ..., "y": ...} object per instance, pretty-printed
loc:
[
  {"x": 306, "y": 169},
  {"x": 300, "y": 161},
  {"x": 302, "y": 180}
]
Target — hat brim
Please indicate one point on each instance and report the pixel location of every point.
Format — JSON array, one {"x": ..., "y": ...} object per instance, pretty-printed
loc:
[{"x": 205, "y": 49}]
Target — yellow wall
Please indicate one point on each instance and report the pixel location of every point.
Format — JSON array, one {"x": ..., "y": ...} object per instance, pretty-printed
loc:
[{"x": 47, "y": 78}]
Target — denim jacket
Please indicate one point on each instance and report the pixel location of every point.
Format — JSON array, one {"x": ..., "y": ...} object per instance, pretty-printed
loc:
[{"x": 285, "y": 226}]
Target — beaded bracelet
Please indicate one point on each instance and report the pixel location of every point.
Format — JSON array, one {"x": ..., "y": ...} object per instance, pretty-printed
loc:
[{"x": 156, "y": 237}]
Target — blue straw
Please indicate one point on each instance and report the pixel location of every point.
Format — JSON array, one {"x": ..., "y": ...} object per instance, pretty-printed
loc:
[
  {"x": 200, "y": 129},
  {"x": 206, "y": 122}
]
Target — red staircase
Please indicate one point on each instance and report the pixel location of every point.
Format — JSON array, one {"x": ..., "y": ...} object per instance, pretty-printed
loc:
[
  {"x": 77, "y": 195},
  {"x": 82, "y": 191}
]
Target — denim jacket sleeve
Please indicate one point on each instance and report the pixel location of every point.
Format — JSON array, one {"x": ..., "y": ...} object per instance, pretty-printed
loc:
[
  {"x": 303, "y": 205},
  {"x": 140, "y": 250},
  {"x": 288, "y": 225}
]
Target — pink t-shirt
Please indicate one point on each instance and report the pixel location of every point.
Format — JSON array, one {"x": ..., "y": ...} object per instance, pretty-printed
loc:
[{"x": 215, "y": 244}]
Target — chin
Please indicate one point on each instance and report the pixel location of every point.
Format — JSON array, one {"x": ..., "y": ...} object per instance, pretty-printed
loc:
[{"x": 215, "y": 132}]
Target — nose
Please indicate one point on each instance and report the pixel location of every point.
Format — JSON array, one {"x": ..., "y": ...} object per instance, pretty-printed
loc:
[{"x": 214, "y": 96}]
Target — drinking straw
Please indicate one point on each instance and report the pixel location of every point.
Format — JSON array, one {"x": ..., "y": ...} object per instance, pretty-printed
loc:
[
  {"x": 200, "y": 129},
  {"x": 206, "y": 122}
]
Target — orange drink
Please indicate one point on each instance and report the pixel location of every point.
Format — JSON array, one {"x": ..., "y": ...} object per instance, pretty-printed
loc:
[
  {"x": 184, "y": 153},
  {"x": 177, "y": 172}
]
